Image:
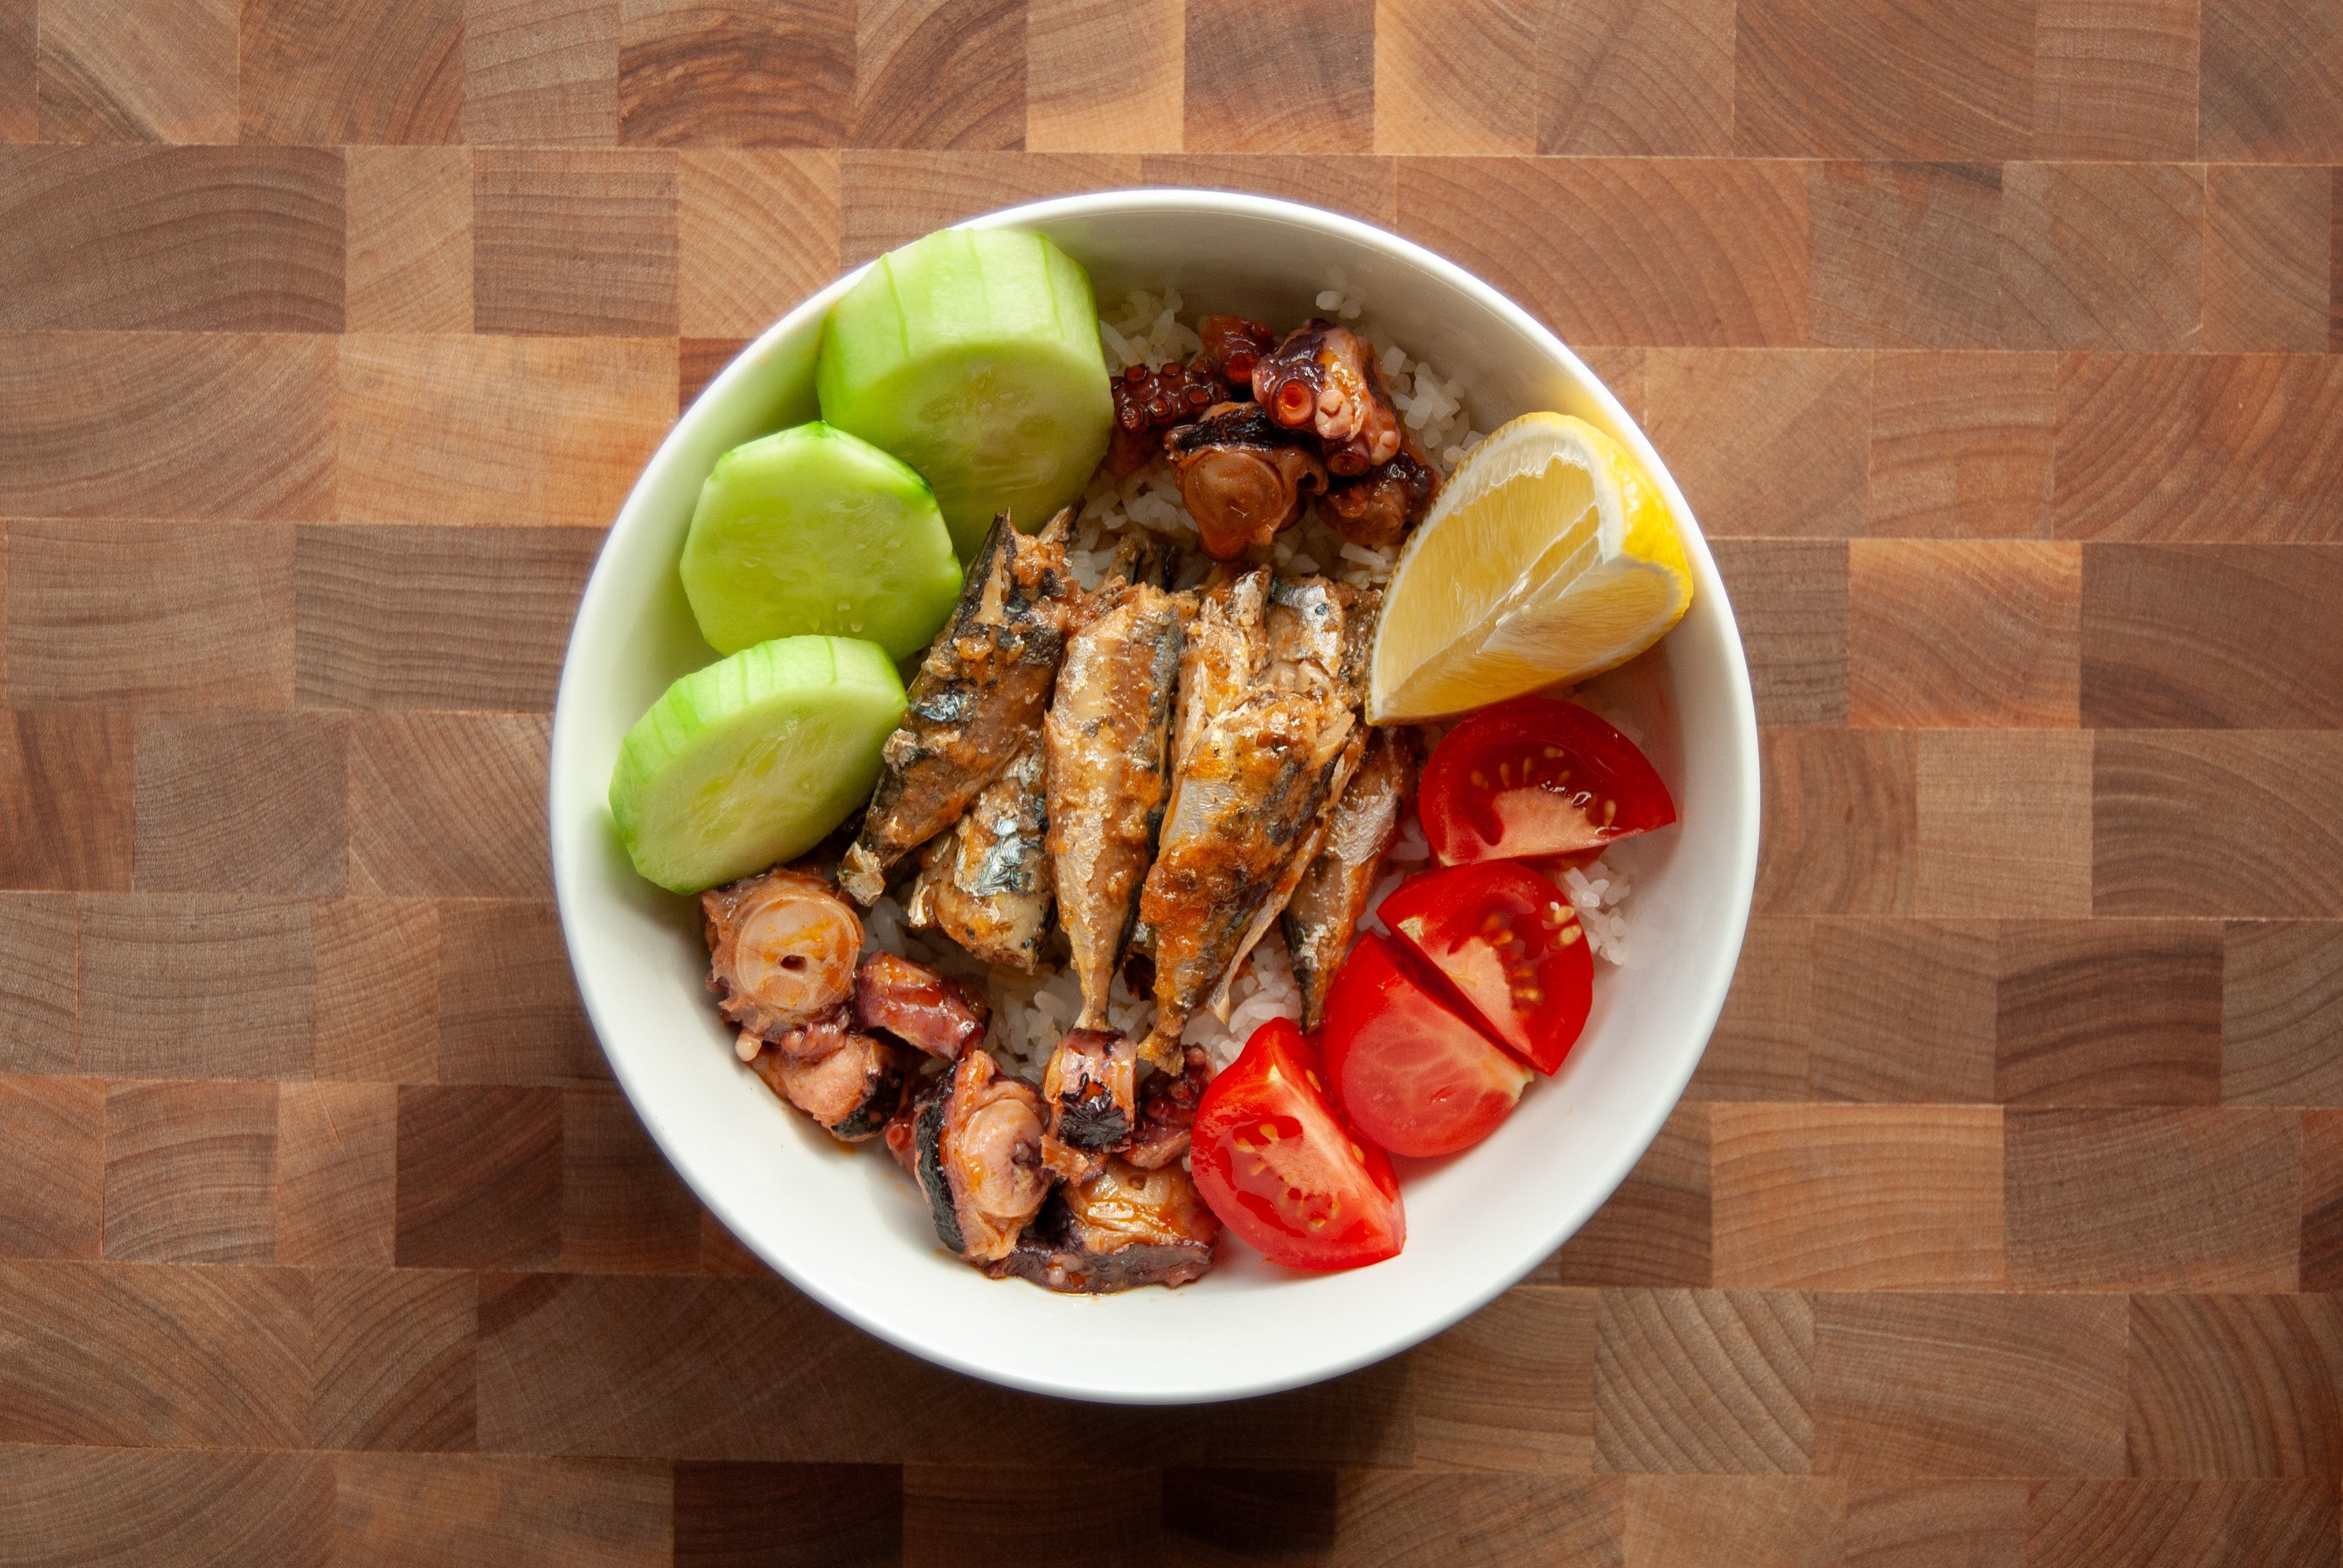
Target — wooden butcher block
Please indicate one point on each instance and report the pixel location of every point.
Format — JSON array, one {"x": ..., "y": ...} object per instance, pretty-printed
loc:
[{"x": 1994, "y": 342}]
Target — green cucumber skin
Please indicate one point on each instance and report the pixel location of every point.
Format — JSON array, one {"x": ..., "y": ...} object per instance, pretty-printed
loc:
[
  {"x": 813, "y": 531},
  {"x": 973, "y": 355},
  {"x": 814, "y": 711}
]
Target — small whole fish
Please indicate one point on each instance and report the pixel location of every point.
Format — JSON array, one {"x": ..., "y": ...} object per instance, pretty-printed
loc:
[
  {"x": 1323, "y": 913},
  {"x": 977, "y": 702},
  {"x": 986, "y": 881}
]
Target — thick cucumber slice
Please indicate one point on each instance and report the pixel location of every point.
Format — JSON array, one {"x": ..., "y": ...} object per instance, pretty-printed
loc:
[
  {"x": 815, "y": 531},
  {"x": 973, "y": 355},
  {"x": 753, "y": 759}
]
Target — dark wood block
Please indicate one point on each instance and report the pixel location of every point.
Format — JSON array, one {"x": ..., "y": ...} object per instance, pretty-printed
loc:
[
  {"x": 320, "y": 71},
  {"x": 409, "y": 239},
  {"x": 1870, "y": 79},
  {"x": 1960, "y": 445},
  {"x": 623, "y": 1207},
  {"x": 1903, "y": 1010},
  {"x": 2163, "y": 1524},
  {"x": 1952, "y": 633},
  {"x": 2269, "y": 87},
  {"x": 190, "y": 1172},
  {"x": 2265, "y": 806},
  {"x": 697, "y": 75},
  {"x": 2321, "y": 1246},
  {"x": 449, "y": 804},
  {"x": 1935, "y": 1524},
  {"x": 502, "y": 1508},
  {"x": 757, "y": 232},
  {"x": 2102, "y": 256},
  {"x": 103, "y": 76},
  {"x": 190, "y": 985},
  {"x": 940, "y": 74},
  {"x": 166, "y": 1506},
  {"x": 1789, "y": 600},
  {"x": 1840, "y": 824},
  {"x": 1904, "y": 255},
  {"x": 2212, "y": 637},
  {"x": 1726, "y": 419},
  {"x": 1424, "y": 1517},
  {"x": 391, "y": 1358},
  {"x": 53, "y": 1205},
  {"x": 2184, "y": 1199},
  {"x": 377, "y": 963},
  {"x": 509, "y": 1008},
  {"x": 2266, "y": 229},
  {"x": 1364, "y": 187},
  {"x": 541, "y": 73},
  {"x": 1749, "y": 1353},
  {"x": 1013, "y": 1517},
  {"x": 2114, "y": 79},
  {"x": 66, "y": 778},
  {"x": 2108, "y": 1012},
  {"x": 337, "y": 1195},
  {"x": 2282, "y": 1012},
  {"x": 19, "y": 62},
  {"x": 1635, "y": 81},
  {"x": 1760, "y": 1048},
  {"x": 2236, "y": 1385},
  {"x": 1454, "y": 78},
  {"x": 1299, "y": 80},
  {"x": 479, "y": 1177},
  {"x": 1213, "y": 1514},
  {"x": 241, "y": 802},
  {"x": 1512, "y": 1387},
  {"x": 1654, "y": 1229},
  {"x": 730, "y": 1515},
  {"x": 575, "y": 243},
  {"x": 40, "y": 982}
]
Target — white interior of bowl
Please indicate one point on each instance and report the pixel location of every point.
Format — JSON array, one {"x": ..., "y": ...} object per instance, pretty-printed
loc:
[{"x": 845, "y": 1227}]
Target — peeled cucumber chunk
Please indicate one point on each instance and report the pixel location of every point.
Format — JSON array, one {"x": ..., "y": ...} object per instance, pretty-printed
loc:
[
  {"x": 815, "y": 531},
  {"x": 973, "y": 355},
  {"x": 753, "y": 759}
]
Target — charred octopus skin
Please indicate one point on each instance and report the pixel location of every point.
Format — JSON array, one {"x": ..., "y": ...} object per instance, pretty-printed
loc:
[
  {"x": 977, "y": 1143},
  {"x": 1122, "y": 1229},
  {"x": 1232, "y": 348},
  {"x": 781, "y": 951},
  {"x": 1322, "y": 379},
  {"x": 1167, "y": 1110},
  {"x": 849, "y": 1090},
  {"x": 1087, "y": 1090},
  {"x": 917, "y": 1005},
  {"x": 1242, "y": 476},
  {"x": 1377, "y": 507}
]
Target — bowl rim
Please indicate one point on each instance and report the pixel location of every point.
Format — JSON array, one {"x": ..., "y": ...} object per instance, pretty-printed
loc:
[{"x": 570, "y": 891}]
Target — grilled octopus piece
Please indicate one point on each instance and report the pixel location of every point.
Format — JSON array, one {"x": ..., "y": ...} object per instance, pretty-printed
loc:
[
  {"x": 1378, "y": 505},
  {"x": 1233, "y": 345},
  {"x": 1121, "y": 1229},
  {"x": 1149, "y": 402},
  {"x": 1242, "y": 476},
  {"x": 850, "y": 1089},
  {"x": 1088, "y": 1094},
  {"x": 919, "y": 1005},
  {"x": 1167, "y": 1109},
  {"x": 1322, "y": 379},
  {"x": 977, "y": 1146},
  {"x": 781, "y": 951}
]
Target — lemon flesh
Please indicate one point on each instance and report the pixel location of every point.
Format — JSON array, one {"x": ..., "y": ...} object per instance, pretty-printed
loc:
[{"x": 1549, "y": 556}]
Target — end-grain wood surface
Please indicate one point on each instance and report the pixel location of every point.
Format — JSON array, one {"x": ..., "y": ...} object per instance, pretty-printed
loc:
[{"x": 1996, "y": 342}]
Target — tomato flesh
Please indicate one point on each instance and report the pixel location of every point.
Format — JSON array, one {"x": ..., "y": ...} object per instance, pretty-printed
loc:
[
  {"x": 1535, "y": 777},
  {"x": 1409, "y": 1070},
  {"x": 1274, "y": 1159},
  {"x": 1512, "y": 947}
]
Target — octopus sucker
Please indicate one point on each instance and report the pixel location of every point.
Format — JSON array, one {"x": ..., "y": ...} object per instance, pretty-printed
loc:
[{"x": 1322, "y": 379}]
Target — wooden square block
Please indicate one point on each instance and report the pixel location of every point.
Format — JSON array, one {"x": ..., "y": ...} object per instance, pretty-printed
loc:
[
  {"x": 1655, "y": 1229},
  {"x": 541, "y": 73},
  {"x": 392, "y": 1358},
  {"x": 2114, "y": 79},
  {"x": 699, "y": 361},
  {"x": 2321, "y": 1248},
  {"x": 2163, "y": 1199},
  {"x": 53, "y": 1205},
  {"x": 940, "y": 74},
  {"x": 149, "y": 615},
  {"x": 2267, "y": 266},
  {"x": 190, "y": 1170},
  {"x": 241, "y": 802},
  {"x": 888, "y": 199},
  {"x": 575, "y": 243},
  {"x": 1208, "y": 1511},
  {"x": 2211, "y": 637},
  {"x": 502, "y": 1508},
  {"x": 691, "y": 74},
  {"x": 2282, "y": 1012},
  {"x": 19, "y": 62},
  {"x": 1759, "y": 1049},
  {"x": 40, "y": 938},
  {"x": 1935, "y": 1524},
  {"x": 758, "y": 232},
  {"x": 1475, "y": 1518},
  {"x": 1946, "y": 634},
  {"x": 1903, "y": 1010},
  {"x": 2270, "y": 88},
  {"x": 1663, "y": 251},
  {"x": 1789, "y": 599},
  {"x": 479, "y": 1177},
  {"x": 1843, "y": 1197},
  {"x": 2164, "y": 1525},
  {"x": 326, "y": 72},
  {"x": 732, "y": 1515},
  {"x": 499, "y": 430},
  {"x": 1634, "y": 80},
  {"x": 2236, "y": 1385},
  {"x": 2213, "y": 447},
  {"x": 1976, "y": 1385},
  {"x": 97, "y": 425},
  {"x": 1841, "y": 831},
  {"x": 1104, "y": 75},
  {"x": 170, "y": 1507},
  {"x": 623, "y": 1207},
  {"x": 1728, "y": 421},
  {"x": 187, "y": 985},
  {"x": 1362, "y": 188},
  {"x": 1510, "y": 1388},
  {"x": 508, "y": 1009},
  {"x": 2266, "y": 806},
  {"x": 1749, "y": 1354},
  {"x": 377, "y": 963},
  {"x": 2102, "y": 256},
  {"x": 2108, "y": 1012},
  {"x": 2004, "y": 823},
  {"x": 449, "y": 804},
  {"x": 1961, "y": 445},
  {"x": 1873, "y": 79},
  {"x": 66, "y": 783},
  {"x": 1904, "y": 255},
  {"x": 435, "y": 618},
  {"x": 1688, "y": 1521},
  {"x": 1454, "y": 77},
  {"x": 137, "y": 71},
  {"x": 409, "y": 265},
  {"x": 1298, "y": 79},
  {"x": 950, "y": 1512},
  {"x": 336, "y": 1174}
]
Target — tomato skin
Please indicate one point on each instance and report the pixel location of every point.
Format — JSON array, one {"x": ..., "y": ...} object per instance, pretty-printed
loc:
[
  {"x": 1533, "y": 778},
  {"x": 1277, "y": 1162},
  {"x": 1410, "y": 1071},
  {"x": 1510, "y": 945}
]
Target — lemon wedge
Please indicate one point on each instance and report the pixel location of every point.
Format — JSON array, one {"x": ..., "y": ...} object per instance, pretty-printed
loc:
[{"x": 1549, "y": 556}]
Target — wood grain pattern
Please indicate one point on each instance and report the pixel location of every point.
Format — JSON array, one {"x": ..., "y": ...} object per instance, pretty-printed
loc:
[
  {"x": 2004, "y": 822},
  {"x": 575, "y": 243},
  {"x": 2321, "y": 1250},
  {"x": 1761, "y": 1048},
  {"x": 137, "y": 71},
  {"x": 2269, "y": 86},
  {"x": 2235, "y": 1385},
  {"x": 1960, "y": 445},
  {"x": 195, "y": 985},
  {"x": 55, "y": 1202},
  {"x": 1301, "y": 79},
  {"x": 1741, "y": 1362},
  {"x": 2102, "y": 256},
  {"x": 691, "y": 74},
  {"x": 1364, "y": 187},
  {"x": 40, "y": 943},
  {"x": 19, "y": 71},
  {"x": 2263, "y": 804},
  {"x": 377, "y": 976},
  {"x": 2108, "y": 1012},
  {"x": 66, "y": 778},
  {"x": 163, "y": 1506},
  {"x": 623, "y": 1207},
  {"x": 1870, "y": 79},
  {"x": 1716, "y": 1523},
  {"x": 479, "y": 1178},
  {"x": 2114, "y": 79},
  {"x": 400, "y": 1508},
  {"x": 1841, "y": 831},
  {"x": 1655, "y": 1229},
  {"x": 891, "y": 198},
  {"x": 1904, "y": 1009},
  {"x": 508, "y": 1009},
  {"x": 940, "y": 74},
  {"x": 448, "y": 805},
  {"x": 2221, "y": 1525},
  {"x": 241, "y": 802},
  {"x": 1724, "y": 418},
  {"x": 1105, "y": 76},
  {"x": 391, "y": 1358},
  {"x": 1904, "y": 255},
  {"x": 1790, "y": 600},
  {"x": 1636, "y": 80},
  {"x": 541, "y": 73},
  {"x": 190, "y": 1172},
  {"x": 1951, "y": 634},
  {"x": 756, "y": 232},
  {"x": 329, "y": 71},
  {"x": 336, "y": 1174},
  {"x": 2267, "y": 268},
  {"x": 789, "y": 1515},
  {"x": 2212, "y": 637},
  {"x": 2281, "y": 1011},
  {"x": 1455, "y": 78},
  {"x": 409, "y": 239}
]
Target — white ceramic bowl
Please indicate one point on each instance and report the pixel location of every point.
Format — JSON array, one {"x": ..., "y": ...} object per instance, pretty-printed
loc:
[{"x": 845, "y": 1227}]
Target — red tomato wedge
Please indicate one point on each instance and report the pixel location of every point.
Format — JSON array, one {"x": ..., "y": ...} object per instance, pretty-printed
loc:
[
  {"x": 1535, "y": 777},
  {"x": 1408, "y": 1069},
  {"x": 1510, "y": 944},
  {"x": 1275, "y": 1161}
]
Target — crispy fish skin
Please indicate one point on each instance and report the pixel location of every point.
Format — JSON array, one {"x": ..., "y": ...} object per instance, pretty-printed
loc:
[
  {"x": 986, "y": 882},
  {"x": 976, "y": 704},
  {"x": 1108, "y": 735},
  {"x": 1323, "y": 913}
]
